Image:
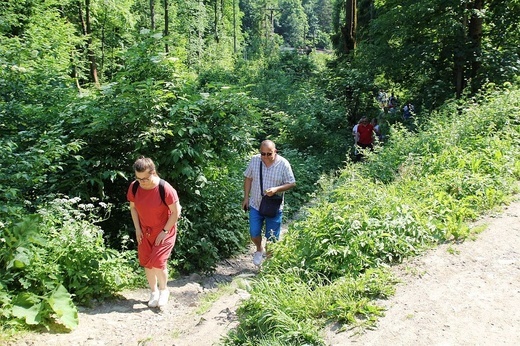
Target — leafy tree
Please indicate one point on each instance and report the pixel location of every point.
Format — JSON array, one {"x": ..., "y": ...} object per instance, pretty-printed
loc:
[
  {"x": 452, "y": 44},
  {"x": 292, "y": 23},
  {"x": 323, "y": 13},
  {"x": 15, "y": 16},
  {"x": 499, "y": 49},
  {"x": 257, "y": 26},
  {"x": 345, "y": 23},
  {"x": 86, "y": 26},
  {"x": 319, "y": 14},
  {"x": 114, "y": 27}
]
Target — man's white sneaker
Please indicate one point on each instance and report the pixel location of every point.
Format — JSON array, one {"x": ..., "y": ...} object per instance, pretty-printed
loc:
[
  {"x": 154, "y": 299},
  {"x": 163, "y": 297},
  {"x": 257, "y": 258}
]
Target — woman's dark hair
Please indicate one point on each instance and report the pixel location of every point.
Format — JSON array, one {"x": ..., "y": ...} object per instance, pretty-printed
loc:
[{"x": 143, "y": 164}]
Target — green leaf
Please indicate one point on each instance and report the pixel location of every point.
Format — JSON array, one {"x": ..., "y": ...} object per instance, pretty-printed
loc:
[
  {"x": 66, "y": 312},
  {"x": 27, "y": 306},
  {"x": 21, "y": 259}
]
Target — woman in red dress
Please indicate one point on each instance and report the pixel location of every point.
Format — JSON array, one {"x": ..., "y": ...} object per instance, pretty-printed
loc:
[{"x": 155, "y": 221}]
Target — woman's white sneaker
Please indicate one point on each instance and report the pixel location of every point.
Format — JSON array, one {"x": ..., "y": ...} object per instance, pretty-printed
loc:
[
  {"x": 154, "y": 299},
  {"x": 163, "y": 297}
]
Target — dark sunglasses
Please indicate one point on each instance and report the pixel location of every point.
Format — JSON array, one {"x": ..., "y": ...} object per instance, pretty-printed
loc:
[{"x": 266, "y": 154}]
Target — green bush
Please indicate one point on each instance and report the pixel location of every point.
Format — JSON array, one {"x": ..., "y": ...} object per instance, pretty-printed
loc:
[
  {"x": 288, "y": 306},
  {"x": 56, "y": 259},
  {"x": 220, "y": 229}
]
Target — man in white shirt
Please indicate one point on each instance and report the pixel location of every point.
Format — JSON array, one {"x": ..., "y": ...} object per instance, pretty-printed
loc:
[{"x": 277, "y": 177}]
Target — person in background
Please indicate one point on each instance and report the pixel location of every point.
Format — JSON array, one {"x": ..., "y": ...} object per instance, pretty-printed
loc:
[
  {"x": 365, "y": 137},
  {"x": 408, "y": 110},
  {"x": 355, "y": 133},
  {"x": 278, "y": 177},
  {"x": 377, "y": 129},
  {"x": 155, "y": 223},
  {"x": 356, "y": 138},
  {"x": 392, "y": 104},
  {"x": 382, "y": 99}
]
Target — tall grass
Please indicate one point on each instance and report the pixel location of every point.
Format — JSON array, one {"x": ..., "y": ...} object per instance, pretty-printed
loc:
[{"x": 418, "y": 190}]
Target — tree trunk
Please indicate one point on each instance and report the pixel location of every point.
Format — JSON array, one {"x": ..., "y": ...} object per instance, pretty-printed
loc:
[
  {"x": 85, "y": 25},
  {"x": 152, "y": 15},
  {"x": 460, "y": 53},
  {"x": 103, "y": 30},
  {"x": 166, "y": 26},
  {"x": 234, "y": 27},
  {"x": 475, "y": 36},
  {"x": 349, "y": 30},
  {"x": 215, "y": 21},
  {"x": 90, "y": 50}
]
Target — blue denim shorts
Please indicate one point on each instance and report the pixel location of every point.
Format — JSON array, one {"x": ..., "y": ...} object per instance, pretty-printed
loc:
[{"x": 272, "y": 225}]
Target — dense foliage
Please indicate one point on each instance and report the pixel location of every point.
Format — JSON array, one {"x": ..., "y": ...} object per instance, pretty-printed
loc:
[
  {"x": 55, "y": 259},
  {"x": 88, "y": 86},
  {"x": 430, "y": 51}
]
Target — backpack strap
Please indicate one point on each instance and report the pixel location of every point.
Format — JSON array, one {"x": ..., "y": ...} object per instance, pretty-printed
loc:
[
  {"x": 135, "y": 186},
  {"x": 162, "y": 191}
]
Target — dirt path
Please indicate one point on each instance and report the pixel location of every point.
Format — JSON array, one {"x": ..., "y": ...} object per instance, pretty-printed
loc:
[
  {"x": 130, "y": 321},
  {"x": 465, "y": 294}
]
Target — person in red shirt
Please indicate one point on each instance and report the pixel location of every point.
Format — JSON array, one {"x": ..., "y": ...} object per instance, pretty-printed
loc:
[
  {"x": 364, "y": 136},
  {"x": 155, "y": 222}
]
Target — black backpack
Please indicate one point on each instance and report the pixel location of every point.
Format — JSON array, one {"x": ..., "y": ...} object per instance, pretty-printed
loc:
[{"x": 161, "y": 190}]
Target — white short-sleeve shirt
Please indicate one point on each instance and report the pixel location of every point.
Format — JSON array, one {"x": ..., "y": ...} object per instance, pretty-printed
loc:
[{"x": 279, "y": 173}]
